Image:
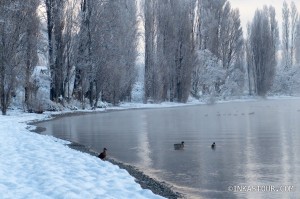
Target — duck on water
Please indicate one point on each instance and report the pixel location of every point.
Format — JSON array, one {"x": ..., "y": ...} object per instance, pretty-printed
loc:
[
  {"x": 179, "y": 146},
  {"x": 213, "y": 146}
]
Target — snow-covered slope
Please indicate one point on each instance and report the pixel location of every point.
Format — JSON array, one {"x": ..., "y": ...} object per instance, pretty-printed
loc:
[{"x": 36, "y": 166}]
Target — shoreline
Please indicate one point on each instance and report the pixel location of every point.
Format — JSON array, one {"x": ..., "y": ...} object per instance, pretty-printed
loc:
[{"x": 146, "y": 182}]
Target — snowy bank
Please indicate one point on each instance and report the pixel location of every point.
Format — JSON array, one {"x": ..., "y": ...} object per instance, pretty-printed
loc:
[{"x": 35, "y": 166}]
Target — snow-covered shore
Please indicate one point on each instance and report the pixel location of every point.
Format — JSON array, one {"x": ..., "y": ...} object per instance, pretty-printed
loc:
[{"x": 36, "y": 166}]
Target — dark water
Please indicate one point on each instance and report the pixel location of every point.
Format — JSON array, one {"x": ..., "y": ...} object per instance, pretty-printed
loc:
[{"x": 258, "y": 144}]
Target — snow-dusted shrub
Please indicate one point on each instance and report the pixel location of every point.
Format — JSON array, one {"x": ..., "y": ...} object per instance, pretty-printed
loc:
[
  {"x": 102, "y": 104},
  {"x": 234, "y": 84},
  {"x": 40, "y": 86},
  {"x": 287, "y": 82},
  {"x": 137, "y": 92},
  {"x": 40, "y": 102},
  {"x": 208, "y": 74}
]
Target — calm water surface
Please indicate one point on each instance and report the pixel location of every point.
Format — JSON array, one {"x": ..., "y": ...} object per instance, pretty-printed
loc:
[{"x": 258, "y": 144}]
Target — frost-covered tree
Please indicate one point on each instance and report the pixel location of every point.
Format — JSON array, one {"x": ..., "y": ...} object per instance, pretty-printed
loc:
[
  {"x": 287, "y": 82},
  {"x": 115, "y": 70},
  {"x": 294, "y": 21},
  {"x": 84, "y": 78},
  {"x": 185, "y": 54},
  {"x": 55, "y": 10},
  {"x": 207, "y": 74},
  {"x": 105, "y": 68},
  {"x": 210, "y": 18},
  {"x": 235, "y": 78},
  {"x": 70, "y": 40},
  {"x": 297, "y": 43},
  {"x": 231, "y": 36},
  {"x": 9, "y": 44},
  {"x": 289, "y": 34},
  {"x": 30, "y": 49},
  {"x": 18, "y": 53},
  {"x": 169, "y": 52},
  {"x": 151, "y": 73},
  {"x": 262, "y": 47},
  {"x": 220, "y": 32},
  {"x": 285, "y": 77},
  {"x": 285, "y": 35}
]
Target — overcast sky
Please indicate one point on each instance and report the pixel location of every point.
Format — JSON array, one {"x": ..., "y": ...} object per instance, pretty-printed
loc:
[{"x": 247, "y": 8}]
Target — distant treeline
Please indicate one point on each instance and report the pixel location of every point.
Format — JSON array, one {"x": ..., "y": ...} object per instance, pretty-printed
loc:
[{"x": 190, "y": 47}]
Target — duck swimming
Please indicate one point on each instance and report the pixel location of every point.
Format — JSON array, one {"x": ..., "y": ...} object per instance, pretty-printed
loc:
[
  {"x": 179, "y": 146},
  {"x": 213, "y": 145}
]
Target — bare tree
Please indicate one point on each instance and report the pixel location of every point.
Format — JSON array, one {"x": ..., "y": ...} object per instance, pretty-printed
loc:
[
  {"x": 170, "y": 48},
  {"x": 263, "y": 42},
  {"x": 30, "y": 49},
  {"x": 107, "y": 50},
  {"x": 70, "y": 41},
  {"x": 150, "y": 8},
  {"x": 210, "y": 17},
  {"x": 231, "y": 36},
  {"x": 119, "y": 44},
  {"x": 18, "y": 29},
  {"x": 10, "y": 34},
  {"x": 55, "y": 23},
  {"x": 185, "y": 50},
  {"x": 286, "y": 35},
  {"x": 294, "y": 20},
  {"x": 297, "y": 43}
]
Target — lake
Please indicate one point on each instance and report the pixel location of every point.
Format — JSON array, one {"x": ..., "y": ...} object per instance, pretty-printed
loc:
[{"x": 256, "y": 154}]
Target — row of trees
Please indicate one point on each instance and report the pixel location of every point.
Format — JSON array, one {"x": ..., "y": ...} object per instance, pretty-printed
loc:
[
  {"x": 290, "y": 24},
  {"x": 218, "y": 58},
  {"x": 287, "y": 78},
  {"x": 185, "y": 41},
  {"x": 192, "y": 47},
  {"x": 19, "y": 29},
  {"x": 262, "y": 45},
  {"x": 219, "y": 50},
  {"x": 91, "y": 50},
  {"x": 97, "y": 48},
  {"x": 169, "y": 49}
]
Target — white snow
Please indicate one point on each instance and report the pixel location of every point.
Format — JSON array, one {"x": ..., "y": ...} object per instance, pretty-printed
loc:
[{"x": 36, "y": 166}]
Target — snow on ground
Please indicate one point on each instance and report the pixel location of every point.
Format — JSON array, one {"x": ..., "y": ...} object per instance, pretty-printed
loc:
[{"x": 36, "y": 166}]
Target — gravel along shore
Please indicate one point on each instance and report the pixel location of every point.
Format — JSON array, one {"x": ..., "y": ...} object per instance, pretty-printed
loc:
[{"x": 145, "y": 181}]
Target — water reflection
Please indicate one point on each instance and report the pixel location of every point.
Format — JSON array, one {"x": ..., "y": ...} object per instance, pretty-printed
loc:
[
  {"x": 143, "y": 151},
  {"x": 257, "y": 144}
]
